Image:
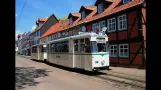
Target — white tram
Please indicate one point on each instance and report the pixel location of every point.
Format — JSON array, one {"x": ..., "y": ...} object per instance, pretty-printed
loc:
[
  {"x": 88, "y": 51},
  {"x": 38, "y": 52}
]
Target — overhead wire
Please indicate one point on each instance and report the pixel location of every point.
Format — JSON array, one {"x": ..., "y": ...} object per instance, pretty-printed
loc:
[{"x": 21, "y": 12}]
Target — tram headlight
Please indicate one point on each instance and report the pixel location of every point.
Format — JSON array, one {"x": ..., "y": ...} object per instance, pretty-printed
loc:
[
  {"x": 103, "y": 62},
  {"x": 96, "y": 61}
]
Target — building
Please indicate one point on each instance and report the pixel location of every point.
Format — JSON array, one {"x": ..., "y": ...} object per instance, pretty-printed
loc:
[
  {"x": 125, "y": 24},
  {"x": 26, "y": 44},
  {"x": 43, "y": 24}
]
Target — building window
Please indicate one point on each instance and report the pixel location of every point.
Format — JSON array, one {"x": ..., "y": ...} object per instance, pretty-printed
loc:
[
  {"x": 113, "y": 50},
  {"x": 95, "y": 26},
  {"x": 98, "y": 25},
  {"x": 122, "y": 22},
  {"x": 126, "y": 1},
  {"x": 71, "y": 21},
  {"x": 123, "y": 50},
  {"x": 83, "y": 14},
  {"x": 111, "y": 25},
  {"x": 101, "y": 24},
  {"x": 100, "y": 8},
  {"x": 38, "y": 33}
]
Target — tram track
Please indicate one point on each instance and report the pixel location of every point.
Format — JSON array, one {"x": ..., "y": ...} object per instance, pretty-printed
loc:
[{"x": 122, "y": 83}]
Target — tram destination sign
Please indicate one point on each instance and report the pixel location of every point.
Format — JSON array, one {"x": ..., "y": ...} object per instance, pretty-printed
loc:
[{"x": 101, "y": 40}]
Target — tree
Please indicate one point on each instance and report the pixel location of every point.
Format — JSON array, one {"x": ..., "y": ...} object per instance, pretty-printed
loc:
[{"x": 63, "y": 18}]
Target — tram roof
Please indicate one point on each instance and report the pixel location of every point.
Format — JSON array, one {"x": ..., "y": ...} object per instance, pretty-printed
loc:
[
  {"x": 83, "y": 35},
  {"x": 39, "y": 44}
]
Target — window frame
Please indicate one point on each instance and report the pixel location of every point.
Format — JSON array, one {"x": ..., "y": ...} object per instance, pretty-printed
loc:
[
  {"x": 100, "y": 8},
  {"x": 118, "y": 21},
  {"x": 102, "y": 24},
  {"x": 112, "y": 30},
  {"x": 71, "y": 20},
  {"x": 83, "y": 14},
  {"x": 113, "y": 50},
  {"x": 123, "y": 50}
]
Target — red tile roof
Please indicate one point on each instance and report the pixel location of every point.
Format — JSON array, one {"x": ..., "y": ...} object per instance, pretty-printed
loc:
[
  {"x": 89, "y": 16},
  {"x": 52, "y": 29},
  {"x": 76, "y": 14},
  {"x": 89, "y": 7},
  {"x": 113, "y": 8},
  {"x": 109, "y": 0},
  {"x": 41, "y": 20}
]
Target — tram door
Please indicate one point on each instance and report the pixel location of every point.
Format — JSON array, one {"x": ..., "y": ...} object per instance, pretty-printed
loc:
[
  {"x": 82, "y": 53},
  {"x": 38, "y": 52},
  {"x": 78, "y": 53}
]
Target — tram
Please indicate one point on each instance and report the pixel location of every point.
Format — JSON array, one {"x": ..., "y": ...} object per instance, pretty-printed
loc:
[
  {"x": 88, "y": 51},
  {"x": 38, "y": 52}
]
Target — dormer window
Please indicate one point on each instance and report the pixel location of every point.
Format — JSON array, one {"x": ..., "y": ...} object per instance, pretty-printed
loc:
[
  {"x": 71, "y": 21},
  {"x": 126, "y": 1},
  {"x": 100, "y": 8},
  {"x": 83, "y": 14}
]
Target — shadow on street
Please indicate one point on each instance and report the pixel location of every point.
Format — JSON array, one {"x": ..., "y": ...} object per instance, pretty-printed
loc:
[{"x": 26, "y": 76}]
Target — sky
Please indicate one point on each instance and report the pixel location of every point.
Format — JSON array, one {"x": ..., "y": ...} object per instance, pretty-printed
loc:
[{"x": 35, "y": 9}]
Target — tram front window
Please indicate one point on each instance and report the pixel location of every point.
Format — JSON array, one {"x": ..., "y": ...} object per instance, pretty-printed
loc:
[
  {"x": 101, "y": 47},
  {"x": 98, "y": 47}
]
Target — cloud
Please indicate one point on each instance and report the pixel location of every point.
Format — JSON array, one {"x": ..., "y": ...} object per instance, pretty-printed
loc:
[
  {"x": 16, "y": 15},
  {"x": 33, "y": 27}
]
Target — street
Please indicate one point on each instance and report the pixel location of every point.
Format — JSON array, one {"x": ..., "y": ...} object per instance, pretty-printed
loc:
[{"x": 32, "y": 75}]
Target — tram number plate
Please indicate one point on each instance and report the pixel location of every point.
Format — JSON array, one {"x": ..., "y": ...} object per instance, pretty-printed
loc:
[{"x": 57, "y": 56}]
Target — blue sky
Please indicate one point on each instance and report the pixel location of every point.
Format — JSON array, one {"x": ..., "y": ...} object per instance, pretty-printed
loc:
[{"x": 44, "y": 8}]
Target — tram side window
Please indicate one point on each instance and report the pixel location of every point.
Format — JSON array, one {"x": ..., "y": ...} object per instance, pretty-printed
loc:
[
  {"x": 82, "y": 48},
  {"x": 88, "y": 47},
  {"x": 94, "y": 46},
  {"x": 75, "y": 45},
  {"x": 52, "y": 48},
  {"x": 34, "y": 50},
  {"x": 65, "y": 46},
  {"x": 44, "y": 49},
  {"x": 58, "y": 47}
]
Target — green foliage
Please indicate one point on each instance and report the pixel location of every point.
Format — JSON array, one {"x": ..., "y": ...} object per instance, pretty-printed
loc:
[{"x": 63, "y": 18}]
